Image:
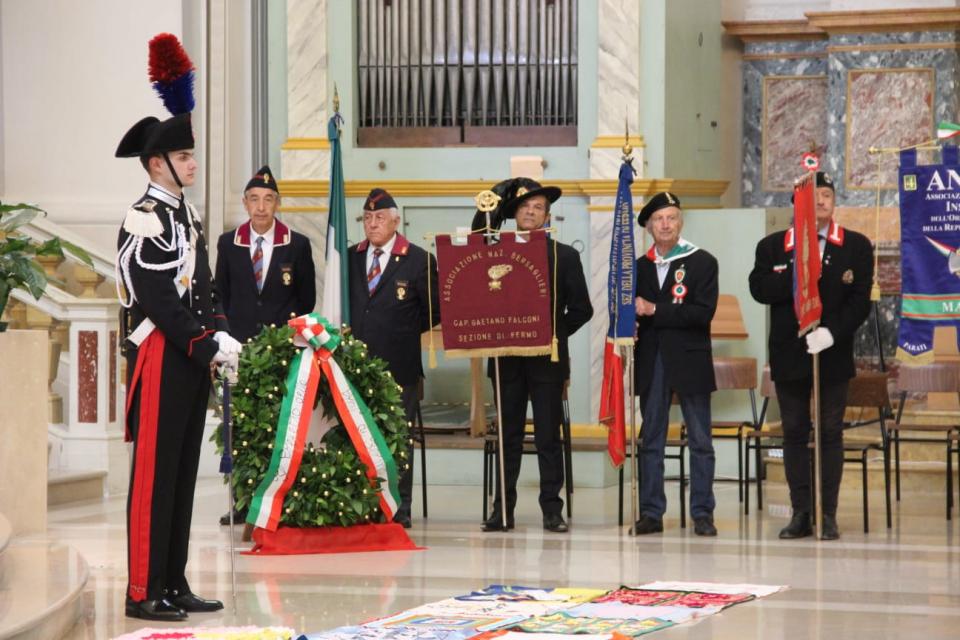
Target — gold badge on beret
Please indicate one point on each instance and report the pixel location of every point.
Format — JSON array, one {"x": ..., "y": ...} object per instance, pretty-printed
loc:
[{"x": 848, "y": 276}]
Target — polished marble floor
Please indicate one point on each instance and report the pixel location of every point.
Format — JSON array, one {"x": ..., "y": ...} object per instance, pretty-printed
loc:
[{"x": 899, "y": 584}]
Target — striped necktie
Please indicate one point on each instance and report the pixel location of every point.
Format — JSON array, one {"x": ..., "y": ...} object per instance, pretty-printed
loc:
[
  {"x": 258, "y": 263},
  {"x": 373, "y": 276}
]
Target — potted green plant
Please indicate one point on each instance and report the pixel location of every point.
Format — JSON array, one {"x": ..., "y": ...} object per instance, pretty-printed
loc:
[{"x": 18, "y": 251}]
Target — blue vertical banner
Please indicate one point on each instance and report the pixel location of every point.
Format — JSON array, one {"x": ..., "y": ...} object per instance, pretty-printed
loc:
[
  {"x": 621, "y": 289},
  {"x": 929, "y": 256}
]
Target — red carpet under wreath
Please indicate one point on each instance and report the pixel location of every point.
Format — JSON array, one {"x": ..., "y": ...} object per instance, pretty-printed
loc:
[{"x": 355, "y": 539}]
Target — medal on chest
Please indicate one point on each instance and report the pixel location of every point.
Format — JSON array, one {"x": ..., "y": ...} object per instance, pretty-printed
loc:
[{"x": 679, "y": 290}]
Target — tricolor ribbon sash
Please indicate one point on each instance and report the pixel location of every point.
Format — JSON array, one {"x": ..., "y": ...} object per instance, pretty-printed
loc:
[{"x": 319, "y": 340}]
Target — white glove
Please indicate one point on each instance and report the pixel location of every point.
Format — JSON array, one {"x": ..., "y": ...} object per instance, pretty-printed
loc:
[
  {"x": 227, "y": 343},
  {"x": 227, "y": 360},
  {"x": 819, "y": 339}
]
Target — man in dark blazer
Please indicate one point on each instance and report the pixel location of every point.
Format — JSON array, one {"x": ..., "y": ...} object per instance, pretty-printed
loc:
[
  {"x": 676, "y": 299},
  {"x": 536, "y": 378},
  {"x": 265, "y": 271},
  {"x": 390, "y": 307},
  {"x": 845, "y": 280}
]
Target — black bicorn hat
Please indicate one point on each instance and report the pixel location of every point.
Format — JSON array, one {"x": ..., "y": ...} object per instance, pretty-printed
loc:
[
  {"x": 662, "y": 200},
  {"x": 151, "y": 136},
  {"x": 263, "y": 179},
  {"x": 379, "y": 199},
  {"x": 511, "y": 193}
]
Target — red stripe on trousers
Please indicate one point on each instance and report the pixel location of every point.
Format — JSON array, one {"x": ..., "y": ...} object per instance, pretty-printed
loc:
[{"x": 150, "y": 367}]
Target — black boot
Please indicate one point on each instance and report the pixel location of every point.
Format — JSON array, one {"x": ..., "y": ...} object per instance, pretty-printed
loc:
[
  {"x": 829, "y": 531},
  {"x": 161, "y": 609},
  {"x": 495, "y": 522},
  {"x": 194, "y": 603},
  {"x": 799, "y": 526}
]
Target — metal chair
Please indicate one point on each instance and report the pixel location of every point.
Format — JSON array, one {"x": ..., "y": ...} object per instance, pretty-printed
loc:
[
  {"x": 419, "y": 437},
  {"x": 680, "y": 444},
  {"x": 736, "y": 374},
  {"x": 938, "y": 377},
  {"x": 491, "y": 444},
  {"x": 762, "y": 437},
  {"x": 869, "y": 390}
]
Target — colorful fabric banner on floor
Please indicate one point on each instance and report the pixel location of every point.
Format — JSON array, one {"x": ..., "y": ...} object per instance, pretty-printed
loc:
[
  {"x": 929, "y": 252},
  {"x": 211, "y": 633},
  {"x": 534, "y": 613},
  {"x": 319, "y": 340},
  {"x": 495, "y": 299}
]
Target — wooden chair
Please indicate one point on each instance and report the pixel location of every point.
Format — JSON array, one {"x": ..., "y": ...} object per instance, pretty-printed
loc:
[
  {"x": 938, "y": 377},
  {"x": 736, "y": 374},
  {"x": 869, "y": 390},
  {"x": 760, "y": 438}
]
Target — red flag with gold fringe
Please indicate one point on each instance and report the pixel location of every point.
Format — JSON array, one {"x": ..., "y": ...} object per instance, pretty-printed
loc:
[{"x": 806, "y": 257}]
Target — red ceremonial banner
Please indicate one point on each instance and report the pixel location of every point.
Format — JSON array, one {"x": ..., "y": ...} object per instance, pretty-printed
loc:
[
  {"x": 495, "y": 299},
  {"x": 806, "y": 258}
]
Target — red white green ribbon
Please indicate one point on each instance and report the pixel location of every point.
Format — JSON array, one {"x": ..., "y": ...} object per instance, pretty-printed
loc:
[
  {"x": 947, "y": 130},
  {"x": 320, "y": 340}
]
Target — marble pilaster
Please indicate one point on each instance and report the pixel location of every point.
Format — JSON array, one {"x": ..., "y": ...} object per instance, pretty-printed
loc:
[
  {"x": 618, "y": 82},
  {"x": 305, "y": 155}
]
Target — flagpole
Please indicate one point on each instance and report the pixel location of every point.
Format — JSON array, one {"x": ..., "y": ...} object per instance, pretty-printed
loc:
[
  {"x": 634, "y": 462},
  {"x": 817, "y": 462}
]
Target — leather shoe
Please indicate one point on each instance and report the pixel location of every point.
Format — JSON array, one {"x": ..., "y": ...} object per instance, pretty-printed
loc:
[
  {"x": 161, "y": 610},
  {"x": 495, "y": 522},
  {"x": 239, "y": 517},
  {"x": 402, "y": 518},
  {"x": 704, "y": 526},
  {"x": 799, "y": 527},
  {"x": 829, "y": 531},
  {"x": 555, "y": 522},
  {"x": 647, "y": 524},
  {"x": 195, "y": 604}
]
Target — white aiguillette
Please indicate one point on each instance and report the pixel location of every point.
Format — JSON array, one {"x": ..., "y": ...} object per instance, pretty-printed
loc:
[{"x": 141, "y": 220}]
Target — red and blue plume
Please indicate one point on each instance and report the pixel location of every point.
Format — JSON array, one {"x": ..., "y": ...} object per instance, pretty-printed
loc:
[{"x": 171, "y": 73}]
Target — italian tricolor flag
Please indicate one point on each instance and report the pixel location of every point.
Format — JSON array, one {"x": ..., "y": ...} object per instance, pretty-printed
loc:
[{"x": 947, "y": 130}]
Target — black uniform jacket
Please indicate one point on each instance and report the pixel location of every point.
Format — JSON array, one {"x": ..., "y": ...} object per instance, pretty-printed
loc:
[
  {"x": 290, "y": 287},
  {"x": 391, "y": 320},
  {"x": 680, "y": 327},
  {"x": 188, "y": 320},
  {"x": 845, "y": 280},
  {"x": 573, "y": 311}
]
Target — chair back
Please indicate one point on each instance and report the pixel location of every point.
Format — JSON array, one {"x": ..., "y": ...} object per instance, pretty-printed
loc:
[
  {"x": 767, "y": 391},
  {"x": 735, "y": 373},
  {"x": 727, "y": 323},
  {"x": 869, "y": 389}
]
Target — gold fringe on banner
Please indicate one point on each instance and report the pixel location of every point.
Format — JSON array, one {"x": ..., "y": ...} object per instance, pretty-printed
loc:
[
  {"x": 555, "y": 343},
  {"x": 498, "y": 351}
]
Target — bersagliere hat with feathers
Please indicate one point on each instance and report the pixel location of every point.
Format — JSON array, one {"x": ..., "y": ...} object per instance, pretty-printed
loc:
[{"x": 171, "y": 73}]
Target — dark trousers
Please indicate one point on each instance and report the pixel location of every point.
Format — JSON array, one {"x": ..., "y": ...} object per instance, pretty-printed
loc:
[
  {"x": 653, "y": 438},
  {"x": 794, "y": 399},
  {"x": 166, "y": 455},
  {"x": 409, "y": 397},
  {"x": 547, "y": 401}
]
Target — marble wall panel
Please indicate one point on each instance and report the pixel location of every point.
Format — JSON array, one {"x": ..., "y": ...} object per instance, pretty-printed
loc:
[
  {"x": 794, "y": 122},
  {"x": 87, "y": 376},
  {"x": 886, "y": 108},
  {"x": 855, "y": 53},
  {"x": 618, "y": 81},
  {"x": 763, "y": 60}
]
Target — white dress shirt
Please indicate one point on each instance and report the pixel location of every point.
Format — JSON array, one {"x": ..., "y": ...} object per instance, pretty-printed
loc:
[
  {"x": 267, "y": 247},
  {"x": 384, "y": 257}
]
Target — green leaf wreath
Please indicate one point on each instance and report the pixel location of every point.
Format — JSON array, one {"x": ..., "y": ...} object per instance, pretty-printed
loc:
[{"x": 331, "y": 487}]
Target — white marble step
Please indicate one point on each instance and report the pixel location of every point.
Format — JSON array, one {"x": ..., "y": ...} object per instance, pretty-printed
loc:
[
  {"x": 41, "y": 586},
  {"x": 65, "y": 486}
]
